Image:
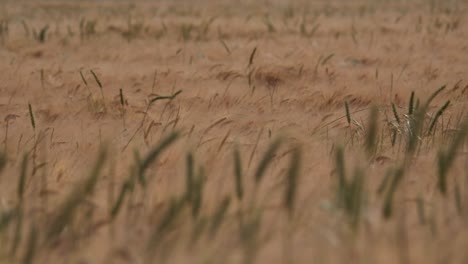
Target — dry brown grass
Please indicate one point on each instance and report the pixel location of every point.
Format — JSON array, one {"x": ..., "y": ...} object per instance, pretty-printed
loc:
[{"x": 310, "y": 58}]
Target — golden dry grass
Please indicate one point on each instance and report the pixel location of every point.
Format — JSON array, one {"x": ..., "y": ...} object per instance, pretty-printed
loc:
[{"x": 310, "y": 58}]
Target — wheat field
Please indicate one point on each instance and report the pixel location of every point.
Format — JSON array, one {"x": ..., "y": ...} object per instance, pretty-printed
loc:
[{"x": 233, "y": 131}]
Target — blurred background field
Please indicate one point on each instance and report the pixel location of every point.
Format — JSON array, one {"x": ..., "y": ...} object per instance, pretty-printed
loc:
[{"x": 233, "y": 131}]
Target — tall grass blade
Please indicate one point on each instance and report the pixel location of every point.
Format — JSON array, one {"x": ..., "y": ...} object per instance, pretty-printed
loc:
[
  {"x": 411, "y": 104},
  {"x": 126, "y": 188},
  {"x": 292, "y": 180},
  {"x": 168, "y": 97},
  {"x": 22, "y": 179},
  {"x": 421, "y": 211},
  {"x": 154, "y": 153},
  {"x": 189, "y": 188},
  {"x": 267, "y": 160},
  {"x": 458, "y": 200},
  {"x": 326, "y": 59},
  {"x": 252, "y": 56},
  {"x": 6, "y": 218},
  {"x": 437, "y": 116},
  {"x": 165, "y": 223},
  {"x": 3, "y": 161},
  {"x": 31, "y": 246},
  {"x": 83, "y": 78},
  {"x": 238, "y": 174},
  {"x": 122, "y": 100},
  {"x": 341, "y": 172},
  {"x": 197, "y": 199},
  {"x": 96, "y": 79},
  {"x": 395, "y": 114},
  {"x": 371, "y": 137},
  {"x": 348, "y": 113},
  {"x": 447, "y": 158},
  {"x": 31, "y": 116},
  {"x": 79, "y": 193},
  {"x": 219, "y": 214},
  {"x": 434, "y": 95},
  {"x": 388, "y": 202}
]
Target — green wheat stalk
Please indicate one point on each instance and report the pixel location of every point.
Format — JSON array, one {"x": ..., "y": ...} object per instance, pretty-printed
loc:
[
  {"x": 31, "y": 116},
  {"x": 447, "y": 158},
  {"x": 154, "y": 153},
  {"x": 348, "y": 113},
  {"x": 411, "y": 104},
  {"x": 98, "y": 83},
  {"x": 252, "y": 56},
  {"x": 31, "y": 246},
  {"x": 371, "y": 139},
  {"x": 437, "y": 115},
  {"x": 267, "y": 160},
  {"x": 189, "y": 187},
  {"x": 395, "y": 114},
  {"x": 388, "y": 202},
  {"x": 76, "y": 197},
  {"x": 292, "y": 180},
  {"x": 238, "y": 174},
  {"x": 219, "y": 214}
]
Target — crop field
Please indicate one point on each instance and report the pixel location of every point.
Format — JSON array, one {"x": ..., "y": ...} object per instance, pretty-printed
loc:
[{"x": 233, "y": 131}]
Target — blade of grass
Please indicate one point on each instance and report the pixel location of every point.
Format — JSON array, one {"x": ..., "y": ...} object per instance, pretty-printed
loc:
[
  {"x": 31, "y": 116},
  {"x": 238, "y": 174},
  {"x": 267, "y": 160},
  {"x": 154, "y": 153},
  {"x": 437, "y": 115},
  {"x": 292, "y": 180},
  {"x": 76, "y": 197},
  {"x": 252, "y": 56}
]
